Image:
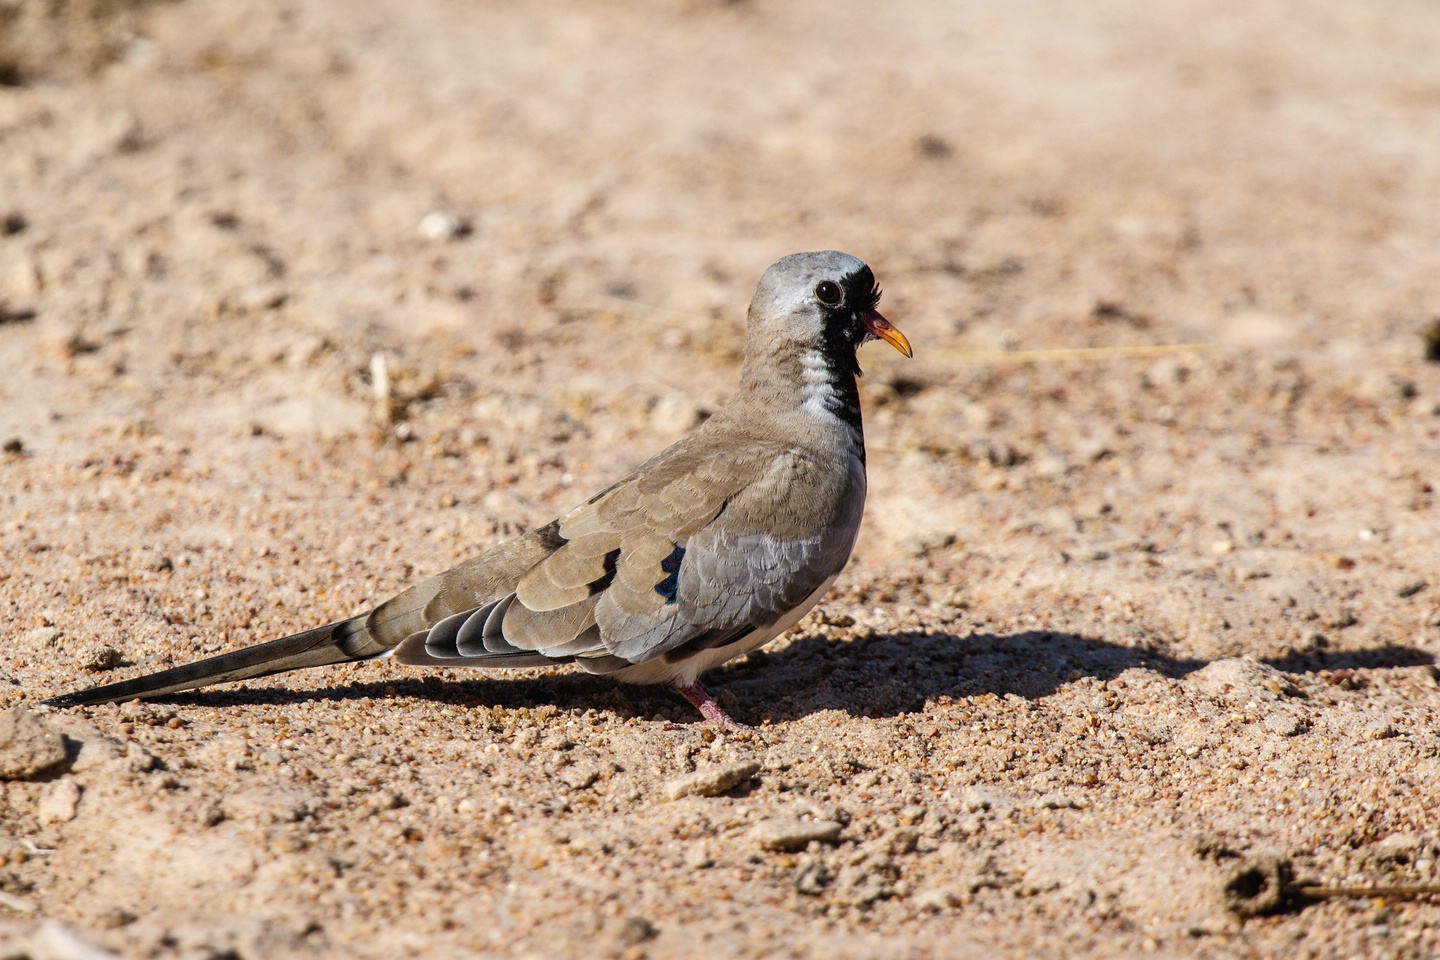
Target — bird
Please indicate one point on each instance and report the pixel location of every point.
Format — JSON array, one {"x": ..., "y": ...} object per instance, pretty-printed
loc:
[{"x": 705, "y": 552}]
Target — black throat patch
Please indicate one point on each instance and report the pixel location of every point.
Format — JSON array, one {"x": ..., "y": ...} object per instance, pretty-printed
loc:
[{"x": 844, "y": 332}]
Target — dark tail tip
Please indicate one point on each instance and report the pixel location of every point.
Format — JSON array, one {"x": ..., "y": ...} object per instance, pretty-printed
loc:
[{"x": 332, "y": 643}]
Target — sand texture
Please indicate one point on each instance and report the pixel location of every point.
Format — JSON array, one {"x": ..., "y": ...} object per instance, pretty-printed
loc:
[{"x": 1134, "y": 645}]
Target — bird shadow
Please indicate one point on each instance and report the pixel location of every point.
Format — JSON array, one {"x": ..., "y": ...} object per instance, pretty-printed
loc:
[
  {"x": 869, "y": 675},
  {"x": 884, "y": 674}
]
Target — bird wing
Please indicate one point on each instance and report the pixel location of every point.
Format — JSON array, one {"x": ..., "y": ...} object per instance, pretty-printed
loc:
[{"x": 694, "y": 550}]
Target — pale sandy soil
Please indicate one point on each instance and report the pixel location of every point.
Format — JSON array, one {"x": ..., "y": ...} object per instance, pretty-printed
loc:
[{"x": 1115, "y": 628}]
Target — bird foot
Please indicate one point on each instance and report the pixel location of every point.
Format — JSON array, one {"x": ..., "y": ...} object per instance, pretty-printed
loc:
[{"x": 709, "y": 709}]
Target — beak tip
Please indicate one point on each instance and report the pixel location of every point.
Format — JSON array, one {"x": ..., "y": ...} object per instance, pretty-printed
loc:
[
  {"x": 899, "y": 341},
  {"x": 887, "y": 331}
]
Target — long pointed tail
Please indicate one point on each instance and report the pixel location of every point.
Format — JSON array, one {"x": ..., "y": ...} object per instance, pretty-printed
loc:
[{"x": 332, "y": 643}]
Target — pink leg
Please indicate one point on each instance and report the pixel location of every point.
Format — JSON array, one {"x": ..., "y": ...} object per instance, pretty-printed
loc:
[{"x": 709, "y": 709}]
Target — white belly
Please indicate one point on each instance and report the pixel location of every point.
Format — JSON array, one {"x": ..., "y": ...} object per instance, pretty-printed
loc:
[{"x": 686, "y": 671}]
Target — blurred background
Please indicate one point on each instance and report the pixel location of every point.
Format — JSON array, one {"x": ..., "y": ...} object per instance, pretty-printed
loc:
[{"x": 1047, "y": 174}]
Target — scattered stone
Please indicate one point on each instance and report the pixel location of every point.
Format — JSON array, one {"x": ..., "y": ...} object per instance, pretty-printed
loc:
[
  {"x": 1379, "y": 730},
  {"x": 936, "y": 899},
  {"x": 98, "y": 657},
  {"x": 1240, "y": 679},
  {"x": 138, "y": 759},
  {"x": 1283, "y": 725},
  {"x": 14, "y": 445},
  {"x": 579, "y": 778},
  {"x": 1341, "y": 619},
  {"x": 833, "y": 619},
  {"x": 438, "y": 225},
  {"x": 59, "y": 802},
  {"x": 633, "y": 931},
  {"x": 96, "y": 751},
  {"x": 150, "y": 715},
  {"x": 1400, "y": 847},
  {"x": 1411, "y": 588},
  {"x": 711, "y": 781},
  {"x": 1052, "y": 465},
  {"x": 976, "y": 798},
  {"x": 792, "y": 833},
  {"x": 29, "y": 745},
  {"x": 863, "y": 883},
  {"x": 43, "y": 636},
  {"x": 698, "y": 857},
  {"x": 900, "y": 841},
  {"x": 1058, "y": 801},
  {"x": 811, "y": 878}
]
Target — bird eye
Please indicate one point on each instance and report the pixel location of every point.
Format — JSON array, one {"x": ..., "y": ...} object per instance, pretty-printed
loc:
[{"x": 828, "y": 292}]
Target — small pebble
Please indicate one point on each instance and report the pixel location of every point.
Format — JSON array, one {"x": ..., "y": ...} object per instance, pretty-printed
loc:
[
  {"x": 1379, "y": 730},
  {"x": 711, "y": 781},
  {"x": 43, "y": 636},
  {"x": 441, "y": 226},
  {"x": 1058, "y": 801},
  {"x": 633, "y": 931},
  {"x": 29, "y": 745},
  {"x": 792, "y": 833},
  {"x": 937, "y": 898},
  {"x": 812, "y": 878},
  {"x": 59, "y": 801},
  {"x": 98, "y": 657},
  {"x": 698, "y": 857},
  {"x": 1282, "y": 725},
  {"x": 152, "y": 716}
]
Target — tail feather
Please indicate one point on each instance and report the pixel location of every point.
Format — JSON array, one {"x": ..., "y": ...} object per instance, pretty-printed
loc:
[{"x": 332, "y": 643}]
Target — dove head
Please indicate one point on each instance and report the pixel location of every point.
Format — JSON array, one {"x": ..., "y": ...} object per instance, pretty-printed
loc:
[{"x": 823, "y": 302}]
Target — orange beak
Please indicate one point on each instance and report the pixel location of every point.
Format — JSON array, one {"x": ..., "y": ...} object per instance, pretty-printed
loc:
[{"x": 885, "y": 330}]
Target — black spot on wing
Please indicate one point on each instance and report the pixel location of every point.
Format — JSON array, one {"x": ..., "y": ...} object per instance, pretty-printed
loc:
[
  {"x": 612, "y": 561},
  {"x": 550, "y": 537},
  {"x": 601, "y": 495},
  {"x": 670, "y": 586}
]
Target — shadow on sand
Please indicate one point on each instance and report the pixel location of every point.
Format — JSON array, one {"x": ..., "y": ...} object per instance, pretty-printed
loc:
[{"x": 871, "y": 675}]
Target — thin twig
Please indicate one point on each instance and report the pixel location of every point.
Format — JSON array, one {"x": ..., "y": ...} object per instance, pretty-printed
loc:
[{"x": 15, "y": 903}]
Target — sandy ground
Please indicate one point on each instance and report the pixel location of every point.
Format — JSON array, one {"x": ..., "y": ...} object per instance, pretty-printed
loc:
[{"x": 1120, "y": 629}]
